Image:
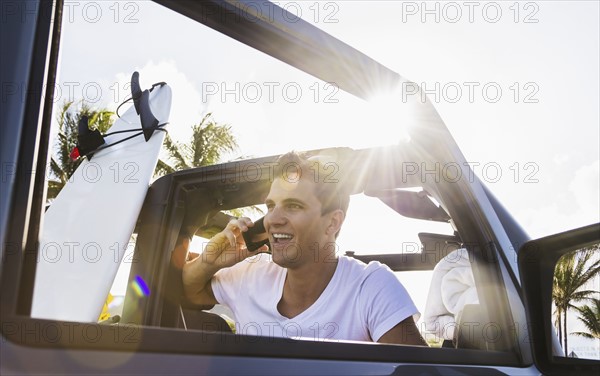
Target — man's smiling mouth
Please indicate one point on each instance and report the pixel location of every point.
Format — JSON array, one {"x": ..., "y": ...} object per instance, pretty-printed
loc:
[{"x": 282, "y": 237}]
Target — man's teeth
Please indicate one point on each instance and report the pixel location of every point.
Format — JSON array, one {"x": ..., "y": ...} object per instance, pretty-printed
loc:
[{"x": 282, "y": 236}]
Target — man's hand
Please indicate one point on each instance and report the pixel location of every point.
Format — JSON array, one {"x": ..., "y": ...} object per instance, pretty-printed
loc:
[
  {"x": 223, "y": 250},
  {"x": 227, "y": 248}
]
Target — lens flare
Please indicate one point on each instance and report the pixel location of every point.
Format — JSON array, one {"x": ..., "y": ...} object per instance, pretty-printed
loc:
[{"x": 140, "y": 287}]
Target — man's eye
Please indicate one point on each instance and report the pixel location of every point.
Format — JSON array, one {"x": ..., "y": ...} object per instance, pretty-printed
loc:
[{"x": 294, "y": 206}]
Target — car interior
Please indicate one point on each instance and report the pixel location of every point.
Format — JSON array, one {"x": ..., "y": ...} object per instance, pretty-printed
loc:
[{"x": 200, "y": 202}]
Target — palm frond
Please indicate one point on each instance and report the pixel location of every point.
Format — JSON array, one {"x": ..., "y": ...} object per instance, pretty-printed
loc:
[
  {"x": 162, "y": 168},
  {"x": 54, "y": 187},
  {"x": 176, "y": 153},
  {"x": 61, "y": 165},
  {"x": 589, "y": 315}
]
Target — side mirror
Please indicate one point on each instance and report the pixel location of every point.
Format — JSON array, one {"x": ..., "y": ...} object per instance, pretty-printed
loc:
[{"x": 538, "y": 261}]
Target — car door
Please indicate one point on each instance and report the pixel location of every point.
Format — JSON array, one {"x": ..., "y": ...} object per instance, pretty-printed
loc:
[{"x": 148, "y": 341}]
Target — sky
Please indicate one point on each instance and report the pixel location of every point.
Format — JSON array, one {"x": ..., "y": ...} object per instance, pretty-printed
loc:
[{"x": 517, "y": 84}]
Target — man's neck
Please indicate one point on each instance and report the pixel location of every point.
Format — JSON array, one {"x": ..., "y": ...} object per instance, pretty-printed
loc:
[{"x": 304, "y": 285}]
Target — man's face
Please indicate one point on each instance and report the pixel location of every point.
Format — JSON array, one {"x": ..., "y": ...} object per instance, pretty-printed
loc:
[{"x": 294, "y": 223}]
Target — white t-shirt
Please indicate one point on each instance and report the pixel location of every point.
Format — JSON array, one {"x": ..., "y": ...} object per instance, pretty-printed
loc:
[{"x": 361, "y": 302}]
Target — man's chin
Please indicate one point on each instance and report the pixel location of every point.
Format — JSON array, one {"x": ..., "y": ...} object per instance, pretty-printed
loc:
[{"x": 286, "y": 257}]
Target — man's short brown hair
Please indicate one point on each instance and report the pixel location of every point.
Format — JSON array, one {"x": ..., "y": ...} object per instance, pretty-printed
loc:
[{"x": 328, "y": 188}]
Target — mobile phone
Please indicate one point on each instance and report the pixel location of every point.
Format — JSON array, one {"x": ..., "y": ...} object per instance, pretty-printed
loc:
[{"x": 256, "y": 236}]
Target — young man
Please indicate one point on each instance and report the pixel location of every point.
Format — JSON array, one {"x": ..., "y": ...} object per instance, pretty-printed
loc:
[{"x": 306, "y": 290}]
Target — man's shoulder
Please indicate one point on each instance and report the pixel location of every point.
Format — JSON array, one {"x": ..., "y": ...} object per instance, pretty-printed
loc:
[
  {"x": 359, "y": 269},
  {"x": 368, "y": 280}
]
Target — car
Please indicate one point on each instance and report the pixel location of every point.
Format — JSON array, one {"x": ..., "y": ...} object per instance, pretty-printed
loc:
[{"x": 426, "y": 178}]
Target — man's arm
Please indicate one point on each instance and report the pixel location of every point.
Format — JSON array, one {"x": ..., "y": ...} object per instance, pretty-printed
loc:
[
  {"x": 404, "y": 333},
  {"x": 197, "y": 277}
]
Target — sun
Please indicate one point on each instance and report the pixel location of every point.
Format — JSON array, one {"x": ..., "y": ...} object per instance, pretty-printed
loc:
[{"x": 393, "y": 116}]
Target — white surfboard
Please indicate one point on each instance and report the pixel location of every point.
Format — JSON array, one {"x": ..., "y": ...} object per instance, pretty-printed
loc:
[{"x": 88, "y": 226}]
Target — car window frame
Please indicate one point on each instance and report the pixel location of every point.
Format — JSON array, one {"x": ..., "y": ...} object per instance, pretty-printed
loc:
[{"x": 27, "y": 215}]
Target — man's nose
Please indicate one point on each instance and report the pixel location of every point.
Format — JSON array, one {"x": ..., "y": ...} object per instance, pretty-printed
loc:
[{"x": 274, "y": 217}]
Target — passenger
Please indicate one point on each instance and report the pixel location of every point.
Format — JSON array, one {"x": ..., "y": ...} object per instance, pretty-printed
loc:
[{"x": 306, "y": 290}]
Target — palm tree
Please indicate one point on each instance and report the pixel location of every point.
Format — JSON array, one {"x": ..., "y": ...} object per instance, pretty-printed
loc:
[
  {"x": 61, "y": 164},
  {"x": 589, "y": 315},
  {"x": 572, "y": 272},
  {"x": 209, "y": 141}
]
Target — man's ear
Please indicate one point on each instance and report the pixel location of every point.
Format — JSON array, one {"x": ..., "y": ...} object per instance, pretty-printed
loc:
[{"x": 336, "y": 218}]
